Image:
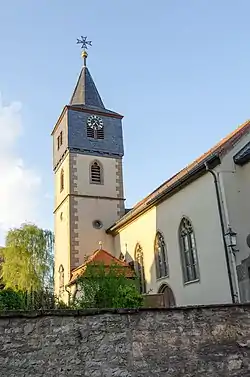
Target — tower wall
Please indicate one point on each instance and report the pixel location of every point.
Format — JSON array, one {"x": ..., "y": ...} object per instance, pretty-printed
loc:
[
  {"x": 62, "y": 126},
  {"x": 62, "y": 222},
  {"x": 103, "y": 202},
  {"x": 111, "y": 145}
]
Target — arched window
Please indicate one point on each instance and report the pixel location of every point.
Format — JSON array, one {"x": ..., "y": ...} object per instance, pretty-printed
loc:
[
  {"x": 139, "y": 267},
  {"x": 61, "y": 280},
  {"x": 62, "y": 180},
  {"x": 188, "y": 251},
  {"x": 96, "y": 173},
  {"x": 160, "y": 256}
]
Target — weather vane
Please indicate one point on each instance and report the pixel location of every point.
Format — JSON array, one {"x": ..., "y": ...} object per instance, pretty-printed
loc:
[{"x": 83, "y": 41}]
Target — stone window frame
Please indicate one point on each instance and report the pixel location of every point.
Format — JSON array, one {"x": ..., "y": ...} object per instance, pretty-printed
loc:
[
  {"x": 161, "y": 258},
  {"x": 61, "y": 279},
  {"x": 61, "y": 180},
  {"x": 139, "y": 267},
  {"x": 188, "y": 251},
  {"x": 93, "y": 181},
  {"x": 59, "y": 140}
]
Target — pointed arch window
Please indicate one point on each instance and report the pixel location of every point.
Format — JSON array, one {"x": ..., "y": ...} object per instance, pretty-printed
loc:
[
  {"x": 61, "y": 280},
  {"x": 160, "y": 256},
  {"x": 188, "y": 250},
  {"x": 61, "y": 180},
  {"x": 96, "y": 173},
  {"x": 139, "y": 267}
]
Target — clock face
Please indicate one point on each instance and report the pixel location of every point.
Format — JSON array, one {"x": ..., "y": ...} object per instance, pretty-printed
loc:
[{"x": 95, "y": 122}]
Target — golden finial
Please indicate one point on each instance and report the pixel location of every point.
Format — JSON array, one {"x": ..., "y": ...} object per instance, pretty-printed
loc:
[{"x": 84, "y": 56}]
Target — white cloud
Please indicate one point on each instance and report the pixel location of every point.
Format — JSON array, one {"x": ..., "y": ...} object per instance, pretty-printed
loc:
[{"x": 19, "y": 186}]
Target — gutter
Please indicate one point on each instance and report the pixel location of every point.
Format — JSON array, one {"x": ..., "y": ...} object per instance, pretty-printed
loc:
[{"x": 216, "y": 184}]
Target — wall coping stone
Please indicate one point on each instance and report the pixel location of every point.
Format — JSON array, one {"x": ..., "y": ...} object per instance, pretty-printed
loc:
[{"x": 93, "y": 312}]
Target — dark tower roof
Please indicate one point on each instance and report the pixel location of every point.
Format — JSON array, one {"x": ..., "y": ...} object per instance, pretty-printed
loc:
[{"x": 85, "y": 92}]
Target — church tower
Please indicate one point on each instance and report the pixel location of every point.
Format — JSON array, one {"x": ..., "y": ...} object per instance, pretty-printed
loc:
[{"x": 87, "y": 163}]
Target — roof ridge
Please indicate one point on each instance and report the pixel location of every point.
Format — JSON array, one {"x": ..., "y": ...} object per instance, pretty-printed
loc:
[
  {"x": 211, "y": 150},
  {"x": 221, "y": 148}
]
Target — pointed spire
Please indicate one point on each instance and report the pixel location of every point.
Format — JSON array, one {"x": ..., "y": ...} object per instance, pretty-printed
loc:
[{"x": 85, "y": 92}]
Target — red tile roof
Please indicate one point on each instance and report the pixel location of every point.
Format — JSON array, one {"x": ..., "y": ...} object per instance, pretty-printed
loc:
[
  {"x": 219, "y": 150},
  {"x": 103, "y": 257}
]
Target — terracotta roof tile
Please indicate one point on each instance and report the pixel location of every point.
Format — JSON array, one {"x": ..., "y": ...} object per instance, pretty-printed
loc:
[{"x": 101, "y": 256}]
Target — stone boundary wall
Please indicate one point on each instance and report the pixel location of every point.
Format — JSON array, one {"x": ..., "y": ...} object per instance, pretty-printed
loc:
[{"x": 209, "y": 341}]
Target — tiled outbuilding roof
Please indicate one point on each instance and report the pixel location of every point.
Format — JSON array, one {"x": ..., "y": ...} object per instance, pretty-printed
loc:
[{"x": 101, "y": 256}]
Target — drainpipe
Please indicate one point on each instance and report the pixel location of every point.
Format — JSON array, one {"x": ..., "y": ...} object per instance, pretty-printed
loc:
[
  {"x": 232, "y": 253},
  {"x": 222, "y": 231}
]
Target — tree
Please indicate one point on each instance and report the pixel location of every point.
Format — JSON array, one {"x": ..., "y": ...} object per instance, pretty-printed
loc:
[
  {"x": 1, "y": 261},
  {"x": 107, "y": 287},
  {"x": 28, "y": 259}
]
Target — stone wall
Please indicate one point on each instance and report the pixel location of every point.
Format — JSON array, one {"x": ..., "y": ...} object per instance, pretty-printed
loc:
[{"x": 199, "y": 341}]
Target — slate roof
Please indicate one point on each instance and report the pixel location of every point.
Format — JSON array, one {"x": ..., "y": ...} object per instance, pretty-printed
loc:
[
  {"x": 102, "y": 257},
  {"x": 85, "y": 92},
  {"x": 184, "y": 176}
]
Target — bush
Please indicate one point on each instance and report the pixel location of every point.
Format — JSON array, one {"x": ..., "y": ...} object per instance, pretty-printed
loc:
[
  {"x": 107, "y": 287},
  {"x": 17, "y": 300},
  {"x": 11, "y": 300}
]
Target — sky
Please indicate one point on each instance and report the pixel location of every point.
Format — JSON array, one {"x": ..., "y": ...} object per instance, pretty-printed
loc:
[{"x": 178, "y": 70}]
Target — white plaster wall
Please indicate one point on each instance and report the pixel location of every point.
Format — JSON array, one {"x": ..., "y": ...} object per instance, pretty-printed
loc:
[
  {"x": 61, "y": 225},
  {"x": 109, "y": 169},
  {"x": 61, "y": 195},
  {"x": 236, "y": 182},
  {"x": 90, "y": 209},
  {"x": 197, "y": 201},
  {"x": 62, "y": 244}
]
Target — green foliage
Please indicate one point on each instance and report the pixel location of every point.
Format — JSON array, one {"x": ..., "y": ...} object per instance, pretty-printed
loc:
[
  {"x": 107, "y": 287},
  {"x": 11, "y": 300},
  {"x": 18, "y": 300},
  {"x": 28, "y": 259},
  {"x": 1, "y": 260}
]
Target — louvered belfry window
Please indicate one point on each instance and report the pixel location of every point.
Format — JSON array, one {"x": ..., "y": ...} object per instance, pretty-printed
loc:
[
  {"x": 90, "y": 132},
  {"x": 95, "y": 133},
  {"x": 96, "y": 173}
]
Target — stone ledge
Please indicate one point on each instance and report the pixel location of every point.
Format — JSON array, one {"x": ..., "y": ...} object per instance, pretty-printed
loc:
[{"x": 92, "y": 312}]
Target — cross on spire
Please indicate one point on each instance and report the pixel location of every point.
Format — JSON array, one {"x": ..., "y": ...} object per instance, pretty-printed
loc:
[{"x": 83, "y": 41}]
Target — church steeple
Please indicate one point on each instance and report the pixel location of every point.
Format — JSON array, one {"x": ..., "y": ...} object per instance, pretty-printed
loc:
[
  {"x": 87, "y": 162},
  {"x": 85, "y": 92}
]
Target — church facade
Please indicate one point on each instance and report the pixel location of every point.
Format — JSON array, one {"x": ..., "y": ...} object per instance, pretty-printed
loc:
[{"x": 189, "y": 238}]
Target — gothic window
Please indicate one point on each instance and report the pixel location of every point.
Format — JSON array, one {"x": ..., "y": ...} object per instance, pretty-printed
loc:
[
  {"x": 188, "y": 251},
  {"x": 96, "y": 173},
  {"x": 160, "y": 256},
  {"x": 61, "y": 280},
  {"x": 61, "y": 180},
  {"x": 139, "y": 267}
]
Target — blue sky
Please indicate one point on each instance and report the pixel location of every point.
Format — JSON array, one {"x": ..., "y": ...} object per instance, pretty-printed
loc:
[{"x": 177, "y": 70}]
